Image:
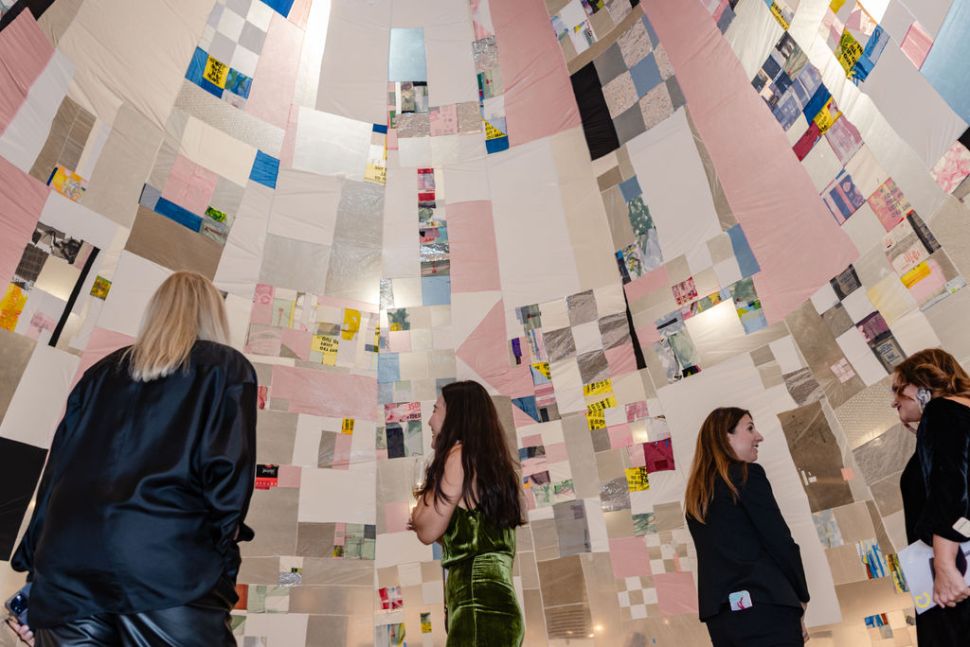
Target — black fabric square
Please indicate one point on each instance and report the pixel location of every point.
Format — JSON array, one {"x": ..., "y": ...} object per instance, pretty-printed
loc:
[
  {"x": 20, "y": 468},
  {"x": 597, "y": 125}
]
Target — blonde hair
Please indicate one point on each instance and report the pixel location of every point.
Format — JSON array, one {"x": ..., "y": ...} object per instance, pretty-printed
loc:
[
  {"x": 184, "y": 309},
  {"x": 933, "y": 369},
  {"x": 712, "y": 460}
]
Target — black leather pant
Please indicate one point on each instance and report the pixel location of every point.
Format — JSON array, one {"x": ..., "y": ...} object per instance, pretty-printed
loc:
[{"x": 193, "y": 625}]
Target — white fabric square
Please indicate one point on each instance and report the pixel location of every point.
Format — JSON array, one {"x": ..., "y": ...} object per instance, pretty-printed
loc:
[
  {"x": 786, "y": 354},
  {"x": 638, "y": 611},
  {"x": 822, "y": 164},
  {"x": 244, "y": 61},
  {"x": 857, "y": 305},
  {"x": 588, "y": 337},
  {"x": 260, "y": 14},
  {"x": 824, "y": 298},
  {"x": 348, "y": 142},
  {"x": 863, "y": 360}
]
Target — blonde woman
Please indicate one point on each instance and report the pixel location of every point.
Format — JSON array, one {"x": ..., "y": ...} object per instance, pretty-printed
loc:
[{"x": 133, "y": 536}]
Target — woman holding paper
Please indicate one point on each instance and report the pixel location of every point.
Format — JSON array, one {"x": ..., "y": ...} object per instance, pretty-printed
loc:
[
  {"x": 470, "y": 502},
  {"x": 750, "y": 580},
  {"x": 931, "y": 393},
  {"x": 133, "y": 538}
]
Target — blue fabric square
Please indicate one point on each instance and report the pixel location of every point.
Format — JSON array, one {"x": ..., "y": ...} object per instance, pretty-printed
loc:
[
  {"x": 407, "y": 60},
  {"x": 528, "y": 405},
  {"x": 281, "y": 7},
  {"x": 435, "y": 290},
  {"x": 197, "y": 66},
  {"x": 265, "y": 170},
  {"x": 646, "y": 75},
  {"x": 817, "y": 102},
  {"x": 238, "y": 83},
  {"x": 179, "y": 214},
  {"x": 380, "y": 128},
  {"x": 385, "y": 392},
  {"x": 497, "y": 145},
  {"x": 211, "y": 88},
  {"x": 747, "y": 263},
  {"x": 630, "y": 189},
  {"x": 388, "y": 368},
  {"x": 149, "y": 197},
  {"x": 653, "y": 35}
]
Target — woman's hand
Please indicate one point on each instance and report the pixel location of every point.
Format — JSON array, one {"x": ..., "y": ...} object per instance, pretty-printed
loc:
[
  {"x": 805, "y": 636},
  {"x": 23, "y": 631},
  {"x": 949, "y": 589}
]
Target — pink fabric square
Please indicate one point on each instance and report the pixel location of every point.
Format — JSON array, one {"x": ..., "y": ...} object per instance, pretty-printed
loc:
[
  {"x": 485, "y": 353},
  {"x": 630, "y": 557},
  {"x": 399, "y": 341},
  {"x": 652, "y": 281},
  {"x": 533, "y": 71},
  {"x": 770, "y": 194},
  {"x": 22, "y": 199},
  {"x": 952, "y": 168},
  {"x": 556, "y": 453},
  {"x": 298, "y": 342},
  {"x": 190, "y": 185},
  {"x": 274, "y": 81},
  {"x": 620, "y": 436},
  {"x": 534, "y": 465},
  {"x": 289, "y": 476},
  {"x": 635, "y": 454},
  {"x": 531, "y": 441},
  {"x": 444, "y": 120},
  {"x": 24, "y": 53},
  {"x": 621, "y": 359},
  {"x": 474, "y": 254},
  {"x": 916, "y": 44},
  {"x": 676, "y": 593},
  {"x": 262, "y": 312},
  {"x": 925, "y": 288},
  {"x": 520, "y": 418},
  {"x": 101, "y": 343},
  {"x": 659, "y": 455},
  {"x": 341, "y": 451},
  {"x": 320, "y": 393},
  {"x": 396, "y": 516}
]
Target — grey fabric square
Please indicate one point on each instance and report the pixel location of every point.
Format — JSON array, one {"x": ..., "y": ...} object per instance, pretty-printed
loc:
[
  {"x": 327, "y": 449},
  {"x": 593, "y": 366},
  {"x": 610, "y": 64},
  {"x": 240, "y": 6},
  {"x": 676, "y": 94},
  {"x": 252, "y": 37},
  {"x": 273, "y": 515},
  {"x": 629, "y": 124},
  {"x": 559, "y": 344},
  {"x": 315, "y": 539},
  {"x": 276, "y": 434},
  {"x": 837, "y": 319},
  {"x": 222, "y": 48},
  {"x": 572, "y": 528},
  {"x": 360, "y": 214},
  {"x": 601, "y": 440},
  {"x": 295, "y": 264},
  {"x": 355, "y": 272},
  {"x": 615, "y": 495},
  {"x": 216, "y": 15},
  {"x": 615, "y": 330},
  {"x": 227, "y": 197},
  {"x": 413, "y": 124},
  {"x": 581, "y": 308}
]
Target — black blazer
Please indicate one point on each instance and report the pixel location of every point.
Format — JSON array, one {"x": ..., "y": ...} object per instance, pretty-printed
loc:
[
  {"x": 936, "y": 482},
  {"x": 146, "y": 486},
  {"x": 746, "y": 546}
]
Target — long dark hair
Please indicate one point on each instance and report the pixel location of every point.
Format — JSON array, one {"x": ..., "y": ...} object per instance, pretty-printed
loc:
[
  {"x": 712, "y": 459},
  {"x": 491, "y": 483}
]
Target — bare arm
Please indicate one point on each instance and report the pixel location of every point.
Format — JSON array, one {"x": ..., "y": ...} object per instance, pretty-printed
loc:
[{"x": 430, "y": 518}]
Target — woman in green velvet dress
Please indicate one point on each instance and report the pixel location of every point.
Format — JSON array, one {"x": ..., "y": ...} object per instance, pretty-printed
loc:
[{"x": 471, "y": 503}]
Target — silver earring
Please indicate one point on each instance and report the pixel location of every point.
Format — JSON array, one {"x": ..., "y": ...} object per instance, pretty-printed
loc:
[{"x": 923, "y": 397}]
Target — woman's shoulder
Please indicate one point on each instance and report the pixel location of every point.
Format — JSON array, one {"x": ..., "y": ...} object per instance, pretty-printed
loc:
[{"x": 237, "y": 366}]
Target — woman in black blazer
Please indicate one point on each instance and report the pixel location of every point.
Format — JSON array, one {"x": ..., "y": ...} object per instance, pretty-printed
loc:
[
  {"x": 751, "y": 583},
  {"x": 133, "y": 537},
  {"x": 931, "y": 390}
]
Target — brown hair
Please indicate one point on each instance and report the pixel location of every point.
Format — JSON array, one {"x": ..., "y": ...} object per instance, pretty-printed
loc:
[
  {"x": 933, "y": 369},
  {"x": 184, "y": 309},
  {"x": 712, "y": 460},
  {"x": 491, "y": 482}
]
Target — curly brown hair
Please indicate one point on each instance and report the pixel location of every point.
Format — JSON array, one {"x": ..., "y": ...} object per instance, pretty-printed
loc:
[{"x": 933, "y": 369}]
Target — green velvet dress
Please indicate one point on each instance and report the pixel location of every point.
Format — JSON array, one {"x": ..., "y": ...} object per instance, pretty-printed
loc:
[{"x": 479, "y": 594}]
